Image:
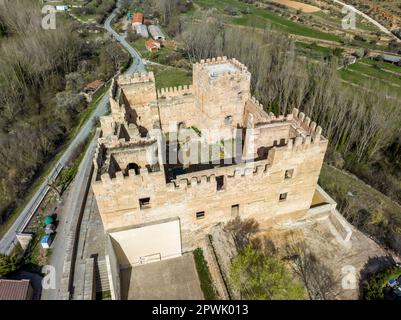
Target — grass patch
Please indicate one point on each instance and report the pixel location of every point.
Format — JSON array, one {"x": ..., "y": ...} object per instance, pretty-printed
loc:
[
  {"x": 369, "y": 210},
  {"x": 379, "y": 74},
  {"x": 204, "y": 275},
  {"x": 312, "y": 50},
  {"x": 383, "y": 65},
  {"x": 166, "y": 76},
  {"x": 139, "y": 45},
  {"x": 261, "y": 18},
  {"x": 104, "y": 295},
  {"x": 368, "y": 70}
]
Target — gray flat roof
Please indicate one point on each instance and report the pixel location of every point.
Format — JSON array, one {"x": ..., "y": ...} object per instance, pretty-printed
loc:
[
  {"x": 394, "y": 59},
  {"x": 155, "y": 31},
  {"x": 217, "y": 69}
]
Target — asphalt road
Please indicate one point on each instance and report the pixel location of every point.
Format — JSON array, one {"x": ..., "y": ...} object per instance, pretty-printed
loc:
[
  {"x": 9, "y": 240},
  {"x": 66, "y": 221}
]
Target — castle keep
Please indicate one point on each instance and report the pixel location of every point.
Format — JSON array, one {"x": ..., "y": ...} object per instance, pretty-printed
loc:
[{"x": 155, "y": 208}]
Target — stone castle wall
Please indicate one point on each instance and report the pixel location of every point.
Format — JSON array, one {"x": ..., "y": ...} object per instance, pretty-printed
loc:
[
  {"x": 255, "y": 189},
  {"x": 280, "y": 144}
]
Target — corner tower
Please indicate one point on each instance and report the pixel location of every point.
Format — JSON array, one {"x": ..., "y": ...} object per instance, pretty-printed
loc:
[{"x": 222, "y": 87}]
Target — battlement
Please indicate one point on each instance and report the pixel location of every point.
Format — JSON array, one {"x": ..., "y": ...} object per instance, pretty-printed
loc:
[
  {"x": 208, "y": 178},
  {"x": 221, "y": 67},
  {"x": 113, "y": 89},
  {"x": 256, "y": 102},
  {"x": 131, "y": 175},
  {"x": 175, "y": 91},
  {"x": 222, "y": 60},
  {"x": 98, "y": 158},
  {"x": 304, "y": 122},
  {"x": 136, "y": 78}
]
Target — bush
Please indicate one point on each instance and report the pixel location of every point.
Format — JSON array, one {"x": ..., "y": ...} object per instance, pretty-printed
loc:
[
  {"x": 230, "y": 11},
  {"x": 204, "y": 275},
  {"x": 259, "y": 276},
  {"x": 374, "y": 287},
  {"x": 8, "y": 264}
]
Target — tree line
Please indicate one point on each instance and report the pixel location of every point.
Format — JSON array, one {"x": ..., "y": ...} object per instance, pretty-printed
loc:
[
  {"x": 362, "y": 123},
  {"x": 42, "y": 74}
]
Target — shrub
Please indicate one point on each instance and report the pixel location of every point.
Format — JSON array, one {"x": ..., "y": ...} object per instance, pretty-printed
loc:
[
  {"x": 375, "y": 285},
  {"x": 8, "y": 264},
  {"x": 204, "y": 275}
]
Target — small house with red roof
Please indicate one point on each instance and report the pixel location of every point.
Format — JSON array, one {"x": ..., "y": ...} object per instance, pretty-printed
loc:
[
  {"x": 137, "y": 19},
  {"x": 152, "y": 45}
]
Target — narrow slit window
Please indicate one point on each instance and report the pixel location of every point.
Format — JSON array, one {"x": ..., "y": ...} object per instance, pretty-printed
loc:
[
  {"x": 235, "y": 210},
  {"x": 220, "y": 182}
]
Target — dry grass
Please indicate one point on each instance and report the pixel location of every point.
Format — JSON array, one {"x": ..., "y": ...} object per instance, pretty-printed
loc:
[{"x": 307, "y": 8}]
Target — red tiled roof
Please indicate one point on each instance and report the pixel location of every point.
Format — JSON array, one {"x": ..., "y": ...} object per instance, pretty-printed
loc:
[
  {"x": 14, "y": 289},
  {"x": 150, "y": 43},
  {"x": 94, "y": 85},
  {"x": 138, "y": 17}
]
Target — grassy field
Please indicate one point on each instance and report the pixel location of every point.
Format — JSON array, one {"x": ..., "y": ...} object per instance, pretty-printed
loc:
[
  {"x": 262, "y": 18},
  {"x": 336, "y": 181},
  {"x": 369, "y": 210},
  {"x": 386, "y": 75},
  {"x": 166, "y": 76},
  {"x": 313, "y": 51}
]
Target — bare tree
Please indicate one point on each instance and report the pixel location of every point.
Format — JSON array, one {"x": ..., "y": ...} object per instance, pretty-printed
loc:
[
  {"x": 242, "y": 230},
  {"x": 318, "y": 279}
]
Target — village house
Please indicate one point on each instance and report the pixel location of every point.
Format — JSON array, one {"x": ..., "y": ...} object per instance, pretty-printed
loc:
[
  {"x": 93, "y": 87},
  {"x": 137, "y": 18},
  {"x": 142, "y": 30},
  {"x": 152, "y": 45},
  {"x": 156, "y": 33}
]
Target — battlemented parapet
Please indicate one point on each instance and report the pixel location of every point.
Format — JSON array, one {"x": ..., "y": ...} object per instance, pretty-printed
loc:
[
  {"x": 174, "y": 91},
  {"x": 124, "y": 80},
  {"x": 221, "y": 88}
]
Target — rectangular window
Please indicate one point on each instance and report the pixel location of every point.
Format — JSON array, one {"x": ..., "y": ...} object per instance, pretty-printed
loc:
[
  {"x": 200, "y": 215},
  {"x": 289, "y": 173},
  {"x": 235, "y": 210},
  {"x": 283, "y": 196},
  {"x": 144, "y": 203},
  {"x": 220, "y": 182}
]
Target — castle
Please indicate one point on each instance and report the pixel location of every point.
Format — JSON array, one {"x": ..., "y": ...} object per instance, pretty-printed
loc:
[{"x": 261, "y": 166}]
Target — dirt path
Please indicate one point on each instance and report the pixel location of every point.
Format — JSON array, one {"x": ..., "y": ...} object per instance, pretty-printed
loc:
[{"x": 307, "y": 8}]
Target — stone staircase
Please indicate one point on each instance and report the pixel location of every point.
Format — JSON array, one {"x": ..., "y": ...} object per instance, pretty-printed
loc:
[{"x": 101, "y": 277}]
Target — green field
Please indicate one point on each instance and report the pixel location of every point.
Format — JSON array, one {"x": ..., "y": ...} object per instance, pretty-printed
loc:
[
  {"x": 166, "y": 76},
  {"x": 367, "y": 70},
  {"x": 313, "y": 51},
  {"x": 262, "y": 18}
]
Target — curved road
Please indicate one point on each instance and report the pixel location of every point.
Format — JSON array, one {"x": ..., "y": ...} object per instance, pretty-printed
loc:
[{"x": 9, "y": 240}]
